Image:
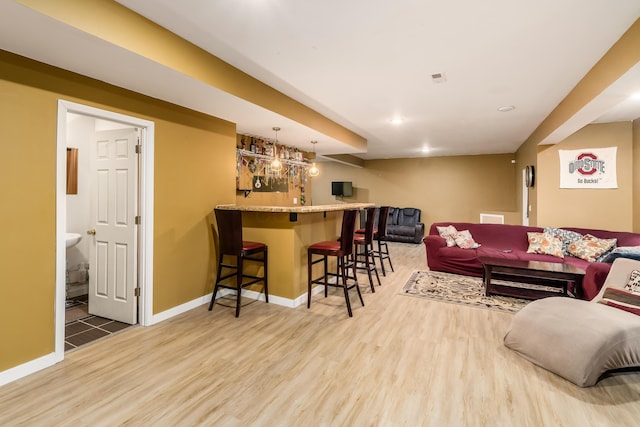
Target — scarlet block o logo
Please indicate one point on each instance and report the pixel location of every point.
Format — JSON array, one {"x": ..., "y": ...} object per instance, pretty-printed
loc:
[
  {"x": 586, "y": 164},
  {"x": 590, "y": 169}
]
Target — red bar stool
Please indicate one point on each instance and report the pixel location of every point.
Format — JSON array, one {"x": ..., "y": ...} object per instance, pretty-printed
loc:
[
  {"x": 343, "y": 251},
  {"x": 364, "y": 248},
  {"x": 231, "y": 244}
]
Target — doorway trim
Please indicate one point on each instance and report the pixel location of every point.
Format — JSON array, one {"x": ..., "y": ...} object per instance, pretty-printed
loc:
[{"x": 145, "y": 243}]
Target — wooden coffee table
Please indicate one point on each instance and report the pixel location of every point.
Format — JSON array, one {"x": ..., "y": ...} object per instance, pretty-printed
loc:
[{"x": 534, "y": 273}]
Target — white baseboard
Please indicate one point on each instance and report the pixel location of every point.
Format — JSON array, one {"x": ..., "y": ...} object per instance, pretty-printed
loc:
[
  {"x": 273, "y": 299},
  {"x": 28, "y": 368}
]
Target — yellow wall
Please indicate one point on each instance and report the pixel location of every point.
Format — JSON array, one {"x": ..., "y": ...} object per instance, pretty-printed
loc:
[
  {"x": 194, "y": 171},
  {"x": 609, "y": 209},
  {"x": 445, "y": 188}
]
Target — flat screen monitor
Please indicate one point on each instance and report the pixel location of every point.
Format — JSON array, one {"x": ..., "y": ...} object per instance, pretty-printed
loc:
[{"x": 342, "y": 188}]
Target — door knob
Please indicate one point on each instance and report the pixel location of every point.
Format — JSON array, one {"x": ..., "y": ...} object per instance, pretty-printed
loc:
[{"x": 92, "y": 232}]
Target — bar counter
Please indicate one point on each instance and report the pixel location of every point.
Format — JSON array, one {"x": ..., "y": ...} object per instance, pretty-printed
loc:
[{"x": 288, "y": 231}]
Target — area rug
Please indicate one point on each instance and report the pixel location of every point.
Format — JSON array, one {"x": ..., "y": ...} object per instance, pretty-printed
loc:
[{"x": 457, "y": 289}]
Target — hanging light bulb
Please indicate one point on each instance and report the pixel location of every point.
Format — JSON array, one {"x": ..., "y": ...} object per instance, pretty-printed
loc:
[
  {"x": 276, "y": 165},
  {"x": 313, "y": 170}
]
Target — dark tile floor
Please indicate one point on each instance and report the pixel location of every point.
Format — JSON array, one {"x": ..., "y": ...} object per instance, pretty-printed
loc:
[{"x": 82, "y": 328}]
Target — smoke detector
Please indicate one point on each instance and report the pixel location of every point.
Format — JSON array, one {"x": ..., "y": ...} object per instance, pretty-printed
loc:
[{"x": 438, "y": 78}]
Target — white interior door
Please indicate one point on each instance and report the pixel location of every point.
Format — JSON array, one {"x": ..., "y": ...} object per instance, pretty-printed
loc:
[{"x": 113, "y": 252}]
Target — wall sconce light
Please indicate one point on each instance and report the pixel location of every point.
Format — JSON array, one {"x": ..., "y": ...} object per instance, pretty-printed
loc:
[
  {"x": 313, "y": 171},
  {"x": 276, "y": 165}
]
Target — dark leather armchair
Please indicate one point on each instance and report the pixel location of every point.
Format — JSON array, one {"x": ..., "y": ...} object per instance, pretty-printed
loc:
[{"x": 404, "y": 225}]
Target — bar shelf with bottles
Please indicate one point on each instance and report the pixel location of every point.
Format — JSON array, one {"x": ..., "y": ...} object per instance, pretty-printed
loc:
[
  {"x": 254, "y": 159},
  {"x": 263, "y": 149}
]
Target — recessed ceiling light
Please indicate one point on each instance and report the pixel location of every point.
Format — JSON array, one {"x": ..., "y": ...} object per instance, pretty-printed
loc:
[
  {"x": 397, "y": 121},
  {"x": 506, "y": 108},
  {"x": 635, "y": 96},
  {"x": 425, "y": 150}
]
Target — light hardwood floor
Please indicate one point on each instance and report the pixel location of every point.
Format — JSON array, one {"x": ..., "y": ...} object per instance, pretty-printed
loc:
[{"x": 400, "y": 361}]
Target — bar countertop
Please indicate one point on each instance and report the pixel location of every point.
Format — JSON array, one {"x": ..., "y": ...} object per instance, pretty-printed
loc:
[{"x": 297, "y": 209}]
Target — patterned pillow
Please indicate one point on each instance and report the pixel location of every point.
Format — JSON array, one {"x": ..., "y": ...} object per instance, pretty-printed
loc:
[
  {"x": 465, "y": 240},
  {"x": 545, "y": 244},
  {"x": 447, "y": 233},
  {"x": 633, "y": 285},
  {"x": 590, "y": 248},
  {"x": 568, "y": 237}
]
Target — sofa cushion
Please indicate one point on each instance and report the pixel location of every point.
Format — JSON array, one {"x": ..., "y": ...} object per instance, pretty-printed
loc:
[
  {"x": 408, "y": 217},
  {"x": 590, "y": 248},
  {"x": 401, "y": 230},
  {"x": 393, "y": 216},
  {"x": 546, "y": 244}
]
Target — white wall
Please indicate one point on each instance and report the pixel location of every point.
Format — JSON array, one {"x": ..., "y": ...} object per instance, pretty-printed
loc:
[{"x": 80, "y": 132}]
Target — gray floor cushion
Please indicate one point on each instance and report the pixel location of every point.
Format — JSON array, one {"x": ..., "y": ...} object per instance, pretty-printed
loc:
[{"x": 578, "y": 340}]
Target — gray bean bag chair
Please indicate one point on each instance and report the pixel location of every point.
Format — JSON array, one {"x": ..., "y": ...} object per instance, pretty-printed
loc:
[{"x": 579, "y": 340}]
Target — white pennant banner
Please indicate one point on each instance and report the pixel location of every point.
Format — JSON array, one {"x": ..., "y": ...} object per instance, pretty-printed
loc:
[{"x": 588, "y": 168}]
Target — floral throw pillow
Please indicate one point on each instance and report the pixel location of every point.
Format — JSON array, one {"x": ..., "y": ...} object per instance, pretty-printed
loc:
[
  {"x": 545, "y": 244},
  {"x": 465, "y": 240},
  {"x": 567, "y": 236},
  {"x": 590, "y": 248},
  {"x": 448, "y": 233}
]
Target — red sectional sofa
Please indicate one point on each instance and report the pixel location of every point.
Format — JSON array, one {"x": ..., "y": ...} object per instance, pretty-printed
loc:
[{"x": 510, "y": 241}]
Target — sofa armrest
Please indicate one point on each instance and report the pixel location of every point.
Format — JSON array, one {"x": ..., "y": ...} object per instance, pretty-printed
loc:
[
  {"x": 433, "y": 242},
  {"x": 595, "y": 275}
]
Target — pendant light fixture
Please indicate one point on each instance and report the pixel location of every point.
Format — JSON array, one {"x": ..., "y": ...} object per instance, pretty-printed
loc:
[
  {"x": 313, "y": 170},
  {"x": 276, "y": 165}
]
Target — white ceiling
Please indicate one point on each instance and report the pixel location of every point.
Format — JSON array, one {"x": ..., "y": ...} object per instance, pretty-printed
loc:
[{"x": 364, "y": 62}]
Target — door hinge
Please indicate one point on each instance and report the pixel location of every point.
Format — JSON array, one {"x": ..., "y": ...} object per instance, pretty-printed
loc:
[
  {"x": 137, "y": 220},
  {"x": 136, "y": 292},
  {"x": 138, "y": 149}
]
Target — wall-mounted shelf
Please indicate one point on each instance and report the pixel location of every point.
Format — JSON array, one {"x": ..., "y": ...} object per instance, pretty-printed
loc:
[{"x": 247, "y": 153}]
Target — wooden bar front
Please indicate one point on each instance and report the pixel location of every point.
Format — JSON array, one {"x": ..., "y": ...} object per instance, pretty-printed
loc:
[{"x": 288, "y": 231}]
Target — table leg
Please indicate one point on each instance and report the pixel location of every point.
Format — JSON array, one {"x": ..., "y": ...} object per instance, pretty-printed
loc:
[{"x": 486, "y": 279}]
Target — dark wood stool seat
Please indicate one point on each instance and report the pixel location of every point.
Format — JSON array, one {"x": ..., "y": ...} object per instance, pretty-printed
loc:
[
  {"x": 231, "y": 245},
  {"x": 343, "y": 251},
  {"x": 364, "y": 253}
]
